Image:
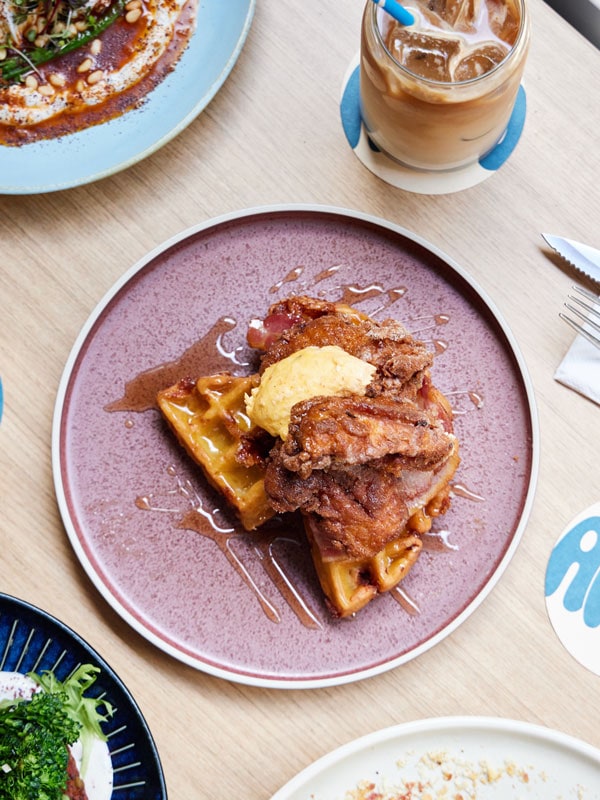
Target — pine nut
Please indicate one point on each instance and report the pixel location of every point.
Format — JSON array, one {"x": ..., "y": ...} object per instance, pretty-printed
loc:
[
  {"x": 46, "y": 90},
  {"x": 80, "y": 85},
  {"x": 31, "y": 82},
  {"x": 2, "y": 53},
  {"x": 95, "y": 77},
  {"x": 56, "y": 80},
  {"x": 133, "y": 4},
  {"x": 95, "y": 47},
  {"x": 133, "y": 15},
  {"x": 41, "y": 41},
  {"x": 85, "y": 65}
]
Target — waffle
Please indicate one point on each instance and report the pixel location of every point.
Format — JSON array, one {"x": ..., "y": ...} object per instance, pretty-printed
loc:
[
  {"x": 212, "y": 422},
  {"x": 349, "y": 585},
  {"x": 209, "y": 420},
  {"x": 208, "y": 417}
]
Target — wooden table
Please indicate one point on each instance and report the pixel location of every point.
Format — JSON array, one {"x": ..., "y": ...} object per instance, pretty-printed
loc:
[{"x": 273, "y": 135}]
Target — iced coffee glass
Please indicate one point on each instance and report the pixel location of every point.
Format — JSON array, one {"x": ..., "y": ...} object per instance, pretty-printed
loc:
[{"x": 438, "y": 95}]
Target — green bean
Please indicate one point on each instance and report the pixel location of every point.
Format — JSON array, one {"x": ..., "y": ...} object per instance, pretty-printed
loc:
[{"x": 12, "y": 69}]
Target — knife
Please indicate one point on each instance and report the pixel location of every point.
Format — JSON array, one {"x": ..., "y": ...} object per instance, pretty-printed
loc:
[{"x": 583, "y": 257}]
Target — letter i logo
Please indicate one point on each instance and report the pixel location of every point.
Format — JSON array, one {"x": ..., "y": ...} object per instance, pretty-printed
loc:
[{"x": 573, "y": 588}]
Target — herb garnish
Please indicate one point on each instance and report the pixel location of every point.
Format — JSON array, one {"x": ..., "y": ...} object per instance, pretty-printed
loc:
[
  {"x": 35, "y": 734},
  {"x": 43, "y": 31}
]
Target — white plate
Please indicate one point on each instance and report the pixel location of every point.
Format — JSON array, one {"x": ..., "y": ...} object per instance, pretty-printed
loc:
[{"x": 489, "y": 758}]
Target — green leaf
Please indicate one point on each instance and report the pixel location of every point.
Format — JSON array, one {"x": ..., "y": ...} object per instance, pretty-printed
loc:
[{"x": 35, "y": 734}]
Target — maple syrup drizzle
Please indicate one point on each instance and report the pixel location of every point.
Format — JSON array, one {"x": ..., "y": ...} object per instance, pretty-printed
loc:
[
  {"x": 402, "y": 597},
  {"x": 460, "y": 490},
  {"x": 275, "y": 569},
  {"x": 351, "y": 295},
  {"x": 474, "y": 398},
  {"x": 195, "y": 521},
  {"x": 326, "y": 273},
  {"x": 232, "y": 540},
  {"x": 211, "y": 354},
  {"x": 438, "y": 541},
  {"x": 426, "y": 322},
  {"x": 205, "y": 356},
  {"x": 292, "y": 276}
]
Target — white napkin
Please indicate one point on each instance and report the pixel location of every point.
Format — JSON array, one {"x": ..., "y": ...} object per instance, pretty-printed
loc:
[{"x": 580, "y": 369}]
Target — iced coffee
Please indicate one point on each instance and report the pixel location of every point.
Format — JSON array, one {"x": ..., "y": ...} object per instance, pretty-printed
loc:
[{"x": 438, "y": 94}]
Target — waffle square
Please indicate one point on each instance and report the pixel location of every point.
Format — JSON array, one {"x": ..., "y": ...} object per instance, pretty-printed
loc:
[
  {"x": 349, "y": 585},
  {"x": 209, "y": 419}
]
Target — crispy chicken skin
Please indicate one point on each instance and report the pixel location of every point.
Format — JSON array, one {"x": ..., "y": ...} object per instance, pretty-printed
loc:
[
  {"x": 387, "y": 345},
  {"x": 357, "y": 509},
  {"x": 329, "y": 431},
  {"x": 359, "y": 465}
]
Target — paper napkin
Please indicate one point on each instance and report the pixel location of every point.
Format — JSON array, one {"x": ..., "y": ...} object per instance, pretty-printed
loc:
[{"x": 580, "y": 369}]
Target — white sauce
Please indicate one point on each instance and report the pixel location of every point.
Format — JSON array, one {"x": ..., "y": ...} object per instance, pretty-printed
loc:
[{"x": 99, "y": 776}]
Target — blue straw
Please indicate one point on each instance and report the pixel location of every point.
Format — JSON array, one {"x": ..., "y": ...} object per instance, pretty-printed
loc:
[{"x": 395, "y": 10}]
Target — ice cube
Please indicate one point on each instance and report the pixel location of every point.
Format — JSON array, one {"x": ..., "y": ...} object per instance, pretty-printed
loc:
[
  {"x": 480, "y": 60},
  {"x": 424, "y": 54},
  {"x": 503, "y": 19},
  {"x": 461, "y": 15}
]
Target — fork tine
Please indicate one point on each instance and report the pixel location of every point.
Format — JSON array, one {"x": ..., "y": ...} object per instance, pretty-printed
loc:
[
  {"x": 587, "y": 293},
  {"x": 584, "y": 317},
  {"x": 581, "y": 330},
  {"x": 591, "y": 325},
  {"x": 591, "y": 309}
]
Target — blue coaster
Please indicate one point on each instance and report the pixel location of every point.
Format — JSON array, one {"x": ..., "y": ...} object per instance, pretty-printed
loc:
[
  {"x": 414, "y": 180},
  {"x": 572, "y": 588}
]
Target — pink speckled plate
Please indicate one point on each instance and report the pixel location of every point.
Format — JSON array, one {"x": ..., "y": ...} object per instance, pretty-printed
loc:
[{"x": 249, "y": 608}]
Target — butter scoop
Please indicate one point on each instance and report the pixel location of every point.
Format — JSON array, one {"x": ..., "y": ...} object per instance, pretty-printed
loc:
[{"x": 313, "y": 371}]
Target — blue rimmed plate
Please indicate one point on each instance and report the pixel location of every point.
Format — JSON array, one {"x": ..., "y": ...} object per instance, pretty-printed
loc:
[
  {"x": 102, "y": 150},
  {"x": 32, "y": 640}
]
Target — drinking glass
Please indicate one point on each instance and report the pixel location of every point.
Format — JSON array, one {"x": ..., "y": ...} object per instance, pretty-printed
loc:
[{"x": 441, "y": 99}]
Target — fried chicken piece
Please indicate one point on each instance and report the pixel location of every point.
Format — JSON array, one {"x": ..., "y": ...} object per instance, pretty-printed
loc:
[
  {"x": 386, "y": 345},
  {"x": 329, "y": 431},
  {"x": 359, "y": 466},
  {"x": 359, "y": 509}
]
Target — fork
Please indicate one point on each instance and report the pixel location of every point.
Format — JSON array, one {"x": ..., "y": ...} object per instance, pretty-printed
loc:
[{"x": 590, "y": 303}]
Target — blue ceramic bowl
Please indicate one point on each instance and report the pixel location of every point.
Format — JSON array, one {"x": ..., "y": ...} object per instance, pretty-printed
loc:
[
  {"x": 32, "y": 640},
  {"x": 102, "y": 150}
]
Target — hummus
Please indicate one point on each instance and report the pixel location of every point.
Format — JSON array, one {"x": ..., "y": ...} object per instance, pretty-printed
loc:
[{"x": 311, "y": 372}]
